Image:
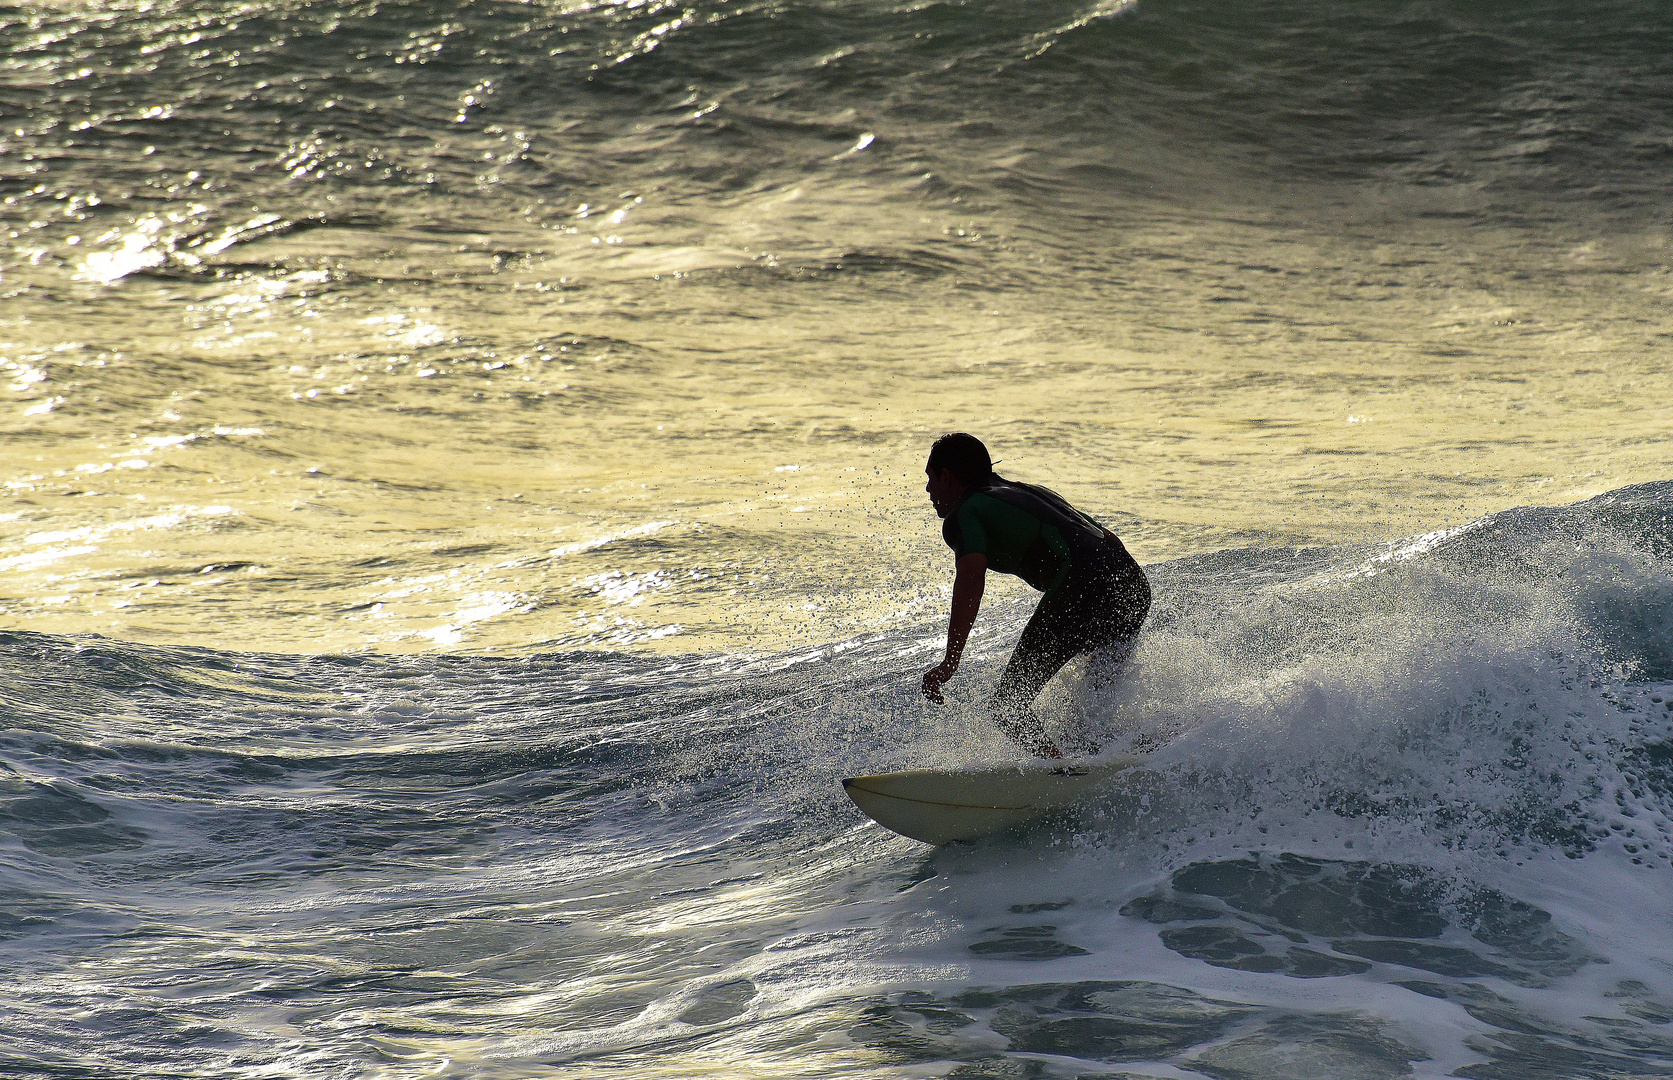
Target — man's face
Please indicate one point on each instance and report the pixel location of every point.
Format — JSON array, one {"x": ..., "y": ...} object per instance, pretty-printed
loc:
[{"x": 944, "y": 490}]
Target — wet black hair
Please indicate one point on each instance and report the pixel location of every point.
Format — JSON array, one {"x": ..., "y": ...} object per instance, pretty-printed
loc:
[{"x": 962, "y": 453}]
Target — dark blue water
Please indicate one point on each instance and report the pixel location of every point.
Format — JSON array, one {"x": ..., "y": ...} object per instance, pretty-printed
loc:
[{"x": 377, "y": 115}]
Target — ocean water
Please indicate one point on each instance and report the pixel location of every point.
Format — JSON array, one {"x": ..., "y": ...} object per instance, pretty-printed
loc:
[{"x": 463, "y": 515}]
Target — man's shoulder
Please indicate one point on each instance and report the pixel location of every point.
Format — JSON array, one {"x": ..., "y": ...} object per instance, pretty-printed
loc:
[
  {"x": 969, "y": 512},
  {"x": 982, "y": 500},
  {"x": 952, "y": 532},
  {"x": 990, "y": 504},
  {"x": 1041, "y": 503}
]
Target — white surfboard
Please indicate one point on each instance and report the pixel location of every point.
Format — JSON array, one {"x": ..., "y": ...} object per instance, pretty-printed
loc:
[{"x": 940, "y": 806}]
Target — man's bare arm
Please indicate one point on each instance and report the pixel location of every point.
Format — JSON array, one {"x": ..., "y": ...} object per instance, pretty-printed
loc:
[{"x": 969, "y": 582}]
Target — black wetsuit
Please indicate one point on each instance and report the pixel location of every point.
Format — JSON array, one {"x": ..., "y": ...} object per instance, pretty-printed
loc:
[{"x": 1095, "y": 594}]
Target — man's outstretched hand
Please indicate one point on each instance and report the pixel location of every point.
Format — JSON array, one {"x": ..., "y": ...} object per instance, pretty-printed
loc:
[{"x": 935, "y": 678}]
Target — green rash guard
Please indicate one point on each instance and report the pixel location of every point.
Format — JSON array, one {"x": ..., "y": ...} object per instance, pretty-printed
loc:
[{"x": 1014, "y": 540}]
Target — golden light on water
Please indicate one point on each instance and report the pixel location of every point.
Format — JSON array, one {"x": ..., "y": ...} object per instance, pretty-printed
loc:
[{"x": 652, "y": 460}]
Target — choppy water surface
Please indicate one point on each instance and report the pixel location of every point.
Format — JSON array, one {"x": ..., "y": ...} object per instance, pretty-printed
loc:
[
  {"x": 463, "y": 515},
  {"x": 413, "y": 324},
  {"x": 1427, "y": 841}
]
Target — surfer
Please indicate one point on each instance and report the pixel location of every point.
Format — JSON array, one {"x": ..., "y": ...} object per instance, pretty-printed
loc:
[{"x": 1096, "y": 597}]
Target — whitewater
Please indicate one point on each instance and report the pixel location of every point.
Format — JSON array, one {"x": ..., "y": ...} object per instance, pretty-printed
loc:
[{"x": 463, "y": 516}]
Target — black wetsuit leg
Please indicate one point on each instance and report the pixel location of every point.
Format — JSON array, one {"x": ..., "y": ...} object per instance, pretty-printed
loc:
[{"x": 1103, "y": 603}]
